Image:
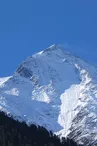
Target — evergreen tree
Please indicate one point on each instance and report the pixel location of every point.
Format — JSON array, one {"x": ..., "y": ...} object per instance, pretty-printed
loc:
[{"x": 15, "y": 133}]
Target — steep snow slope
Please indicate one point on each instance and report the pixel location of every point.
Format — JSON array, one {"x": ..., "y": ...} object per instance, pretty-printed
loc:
[{"x": 56, "y": 90}]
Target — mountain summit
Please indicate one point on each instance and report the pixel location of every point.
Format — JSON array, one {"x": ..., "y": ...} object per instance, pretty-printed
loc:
[{"x": 56, "y": 90}]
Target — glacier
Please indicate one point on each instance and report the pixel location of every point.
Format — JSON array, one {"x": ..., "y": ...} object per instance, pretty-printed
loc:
[{"x": 54, "y": 89}]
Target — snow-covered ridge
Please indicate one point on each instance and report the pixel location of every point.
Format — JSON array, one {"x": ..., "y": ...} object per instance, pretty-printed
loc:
[
  {"x": 3, "y": 80},
  {"x": 56, "y": 90}
]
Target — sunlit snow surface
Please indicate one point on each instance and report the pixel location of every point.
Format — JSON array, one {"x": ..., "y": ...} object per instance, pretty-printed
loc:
[{"x": 56, "y": 90}]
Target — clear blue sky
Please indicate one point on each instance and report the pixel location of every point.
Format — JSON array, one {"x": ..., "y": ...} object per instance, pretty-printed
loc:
[{"x": 28, "y": 26}]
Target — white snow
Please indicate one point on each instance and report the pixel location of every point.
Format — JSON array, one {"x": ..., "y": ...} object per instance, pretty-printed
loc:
[
  {"x": 50, "y": 89},
  {"x": 4, "y": 79}
]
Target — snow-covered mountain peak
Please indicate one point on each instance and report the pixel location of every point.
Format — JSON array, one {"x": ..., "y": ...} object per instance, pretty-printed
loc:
[
  {"x": 54, "y": 89},
  {"x": 53, "y": 48},
  {"x": 45, "y": 67}
]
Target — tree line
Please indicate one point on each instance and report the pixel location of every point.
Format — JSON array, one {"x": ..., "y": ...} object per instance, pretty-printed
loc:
[{"x": 15, "y": 133}]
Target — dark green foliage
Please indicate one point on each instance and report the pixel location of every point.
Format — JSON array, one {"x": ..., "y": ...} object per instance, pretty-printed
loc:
[{"x": 15, "y": 133}]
